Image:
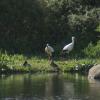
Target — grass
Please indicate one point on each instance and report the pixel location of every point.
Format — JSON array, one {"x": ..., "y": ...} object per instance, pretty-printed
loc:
[{"x": 14, "y": 63}]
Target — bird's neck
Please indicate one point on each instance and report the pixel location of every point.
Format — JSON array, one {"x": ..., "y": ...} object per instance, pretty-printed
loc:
[
  {"x": 47, "y": 46},
  {"x": 72, "y": 41}
]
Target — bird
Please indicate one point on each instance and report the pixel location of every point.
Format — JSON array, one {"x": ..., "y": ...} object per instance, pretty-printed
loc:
[
  {"x": 49, "y": 50},
  {"x": 26, "y": 64},
  {"x": 69, "y": 47}
]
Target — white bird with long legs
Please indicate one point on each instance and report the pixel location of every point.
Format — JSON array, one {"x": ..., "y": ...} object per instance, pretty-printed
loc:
[
  {"x": 69, "y": 47},
  {"x": 49, "y": 50}
]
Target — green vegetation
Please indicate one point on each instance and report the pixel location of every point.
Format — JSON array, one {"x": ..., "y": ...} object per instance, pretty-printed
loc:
[
  {"x": 27, "y": 25},
  {"x": 93, "y": 51},
  {"x": 14, "y": 64},
  {"x": 98, "y": 29}
]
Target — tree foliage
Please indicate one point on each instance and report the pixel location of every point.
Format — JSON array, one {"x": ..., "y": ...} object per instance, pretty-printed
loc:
[{"x": 27, "y": 25}]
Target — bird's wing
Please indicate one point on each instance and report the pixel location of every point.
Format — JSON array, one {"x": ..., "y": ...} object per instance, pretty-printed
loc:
[
  {"x": 47, "y": 50},
  {"x": 51, "y": 48},
  {"x": 67, "y": 47}
]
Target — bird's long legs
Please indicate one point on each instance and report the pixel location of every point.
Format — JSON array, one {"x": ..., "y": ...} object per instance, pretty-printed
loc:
[{"x": 50, "y": 57}]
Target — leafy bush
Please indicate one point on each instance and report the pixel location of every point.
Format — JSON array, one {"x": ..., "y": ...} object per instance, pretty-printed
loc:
[{"x": 93, "y": 50}]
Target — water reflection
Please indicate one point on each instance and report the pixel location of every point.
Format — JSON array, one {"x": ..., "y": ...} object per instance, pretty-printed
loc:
[{"x": 48, "y": 87}]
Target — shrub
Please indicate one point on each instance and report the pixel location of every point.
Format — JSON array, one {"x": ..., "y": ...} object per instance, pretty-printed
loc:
[{"x": 93, "y": 50}]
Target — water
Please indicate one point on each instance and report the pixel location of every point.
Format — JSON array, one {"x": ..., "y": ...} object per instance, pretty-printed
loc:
[{"x": 48, "y": 87}]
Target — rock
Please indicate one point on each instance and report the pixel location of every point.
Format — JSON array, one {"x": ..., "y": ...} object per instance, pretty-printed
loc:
[{"x": 94, "y": 72}]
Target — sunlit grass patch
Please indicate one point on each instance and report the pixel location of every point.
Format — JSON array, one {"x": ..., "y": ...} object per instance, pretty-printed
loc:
[{"x": 14, "y": 63}]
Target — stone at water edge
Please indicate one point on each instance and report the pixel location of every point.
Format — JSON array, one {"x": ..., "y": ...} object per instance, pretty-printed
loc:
[{"x": 94, "y": 72}]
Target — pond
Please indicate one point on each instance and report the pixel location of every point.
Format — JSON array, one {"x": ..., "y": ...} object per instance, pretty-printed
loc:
[{"x": 48, "y": 87}]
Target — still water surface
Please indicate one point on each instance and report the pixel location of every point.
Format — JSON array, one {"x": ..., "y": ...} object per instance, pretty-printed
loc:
[{"x": 48, "y": 87}]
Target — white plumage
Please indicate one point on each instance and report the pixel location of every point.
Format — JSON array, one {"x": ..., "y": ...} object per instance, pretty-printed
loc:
[
  {"x": 49, "y": 50},
  {"x": 67, "y": 48}
]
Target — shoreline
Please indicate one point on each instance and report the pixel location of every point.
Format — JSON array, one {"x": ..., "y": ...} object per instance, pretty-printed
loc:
[
  {"x": 15, "y": 64},
  {"x": 77, "y": 69}
]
